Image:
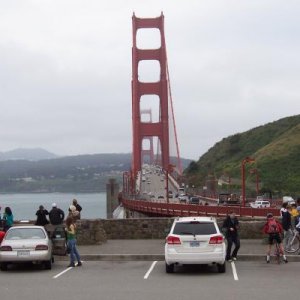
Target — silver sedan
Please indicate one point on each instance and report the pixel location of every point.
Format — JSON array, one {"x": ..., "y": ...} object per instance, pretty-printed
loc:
[{"x": 26, "y": 244}]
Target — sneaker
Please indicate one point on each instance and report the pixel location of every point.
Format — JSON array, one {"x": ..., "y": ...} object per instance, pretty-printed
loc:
[
  {"x": 71, "y": 265},
  {"x": 79, "y": 264},
  {"x": 234, "y": 258},
  {"x": 229, "y": 260},
  {"x": 285, "y": 259}
]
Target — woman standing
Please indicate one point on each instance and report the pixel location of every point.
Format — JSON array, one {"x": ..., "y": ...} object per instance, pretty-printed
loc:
[
  {"x": 71, "y": 240},
  {"x": 8, "y": 218}
]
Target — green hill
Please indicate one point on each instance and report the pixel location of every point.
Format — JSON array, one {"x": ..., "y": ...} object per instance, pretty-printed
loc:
[{"x": 275, "y": 148}]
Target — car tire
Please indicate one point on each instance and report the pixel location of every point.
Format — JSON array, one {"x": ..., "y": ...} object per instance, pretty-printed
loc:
[
  {"x": 221, "y": 267},
  {"x": 48, "y": 264},
  {"x": 169, "y": 268},
  {"x": 3, "y": 266}
]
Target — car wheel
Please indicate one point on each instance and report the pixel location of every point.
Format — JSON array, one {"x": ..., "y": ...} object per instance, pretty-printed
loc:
[
  {"x": 48, "y": 264},
  {"x": 170, "y": 268},
  {"x": 3, "y": 266},
  {"x": 221, "y": 267}
]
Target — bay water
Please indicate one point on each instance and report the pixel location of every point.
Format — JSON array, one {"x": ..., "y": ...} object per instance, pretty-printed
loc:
[{"x": 24, "y": 206}]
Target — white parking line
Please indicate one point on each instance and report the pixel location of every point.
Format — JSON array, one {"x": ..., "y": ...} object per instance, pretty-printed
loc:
[
  {"x": 150, "y": 270},
  {"x": 63, "y": 272},
  {"x": 235, "y": 276}
]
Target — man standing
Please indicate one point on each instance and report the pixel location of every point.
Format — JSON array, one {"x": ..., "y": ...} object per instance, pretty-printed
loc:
[
  {"x": 56, "y": 215},
  {"x": 230, "y": 227},
  {"x": 287, "y": 225}
]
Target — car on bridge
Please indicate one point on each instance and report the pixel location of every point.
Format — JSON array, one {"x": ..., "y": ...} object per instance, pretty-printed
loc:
[
  {"x": 228, "y": 199},
  {"x": 194, "y": 200},
  {"x": 183, "y": 198},
  {"x": 260, "y": 204},
  {"x": 195, "y": 240}
]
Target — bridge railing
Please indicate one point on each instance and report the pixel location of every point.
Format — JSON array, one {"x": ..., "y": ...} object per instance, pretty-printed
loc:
[{"x": 183, "y": 210}]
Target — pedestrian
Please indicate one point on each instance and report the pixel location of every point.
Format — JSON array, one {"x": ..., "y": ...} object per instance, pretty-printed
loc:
[
  {"x": 71, "y": 242},
  {"x": 77, "y": 207},
  {"x": 230, "y": 228},
  {"x": 75, "y": 214},
  {"x": 56, "y": 215},
  {"x": 41, "y": 214},
  {"x": 294, "y": 215},
  {"x": 286, "y": 221},
  {"x": 273, "y": 228},
  {"x": 8, "y": 218}
]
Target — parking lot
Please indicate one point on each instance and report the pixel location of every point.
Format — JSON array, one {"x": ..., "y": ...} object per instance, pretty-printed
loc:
[{"x": 148, "y": 280}]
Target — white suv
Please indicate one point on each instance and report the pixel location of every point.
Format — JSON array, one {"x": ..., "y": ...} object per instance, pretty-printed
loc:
[{"x": 195, "y": 240}]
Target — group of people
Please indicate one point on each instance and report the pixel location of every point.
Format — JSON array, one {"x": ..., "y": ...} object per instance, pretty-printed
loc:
[
  {"x": 56, "y": 217},
  {"x": 290, "y": 220}
]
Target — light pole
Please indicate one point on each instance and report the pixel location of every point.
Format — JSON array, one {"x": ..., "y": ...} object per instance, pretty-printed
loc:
[
  {"x": 168, "y": 170},
  {"x": 255, "y": 171},
  {"x": 244, "y": 162}
]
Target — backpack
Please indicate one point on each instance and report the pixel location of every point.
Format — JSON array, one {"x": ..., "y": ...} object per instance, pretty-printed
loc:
[{"x": 272, "y": 226}]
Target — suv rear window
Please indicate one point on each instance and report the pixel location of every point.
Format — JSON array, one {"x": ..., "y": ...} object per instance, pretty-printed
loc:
[{"x": 194, "y": 228}]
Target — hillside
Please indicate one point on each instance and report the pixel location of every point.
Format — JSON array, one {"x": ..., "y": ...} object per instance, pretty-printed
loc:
[
  {"x": 275, "y": 148},
  {"x": 82, "y": 173},
  {"x": 34, "y": 154}
]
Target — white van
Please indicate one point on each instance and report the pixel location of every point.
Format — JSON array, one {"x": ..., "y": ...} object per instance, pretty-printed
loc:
[
  {"x": 288, "y": 199},
  {"x": 260, "y": 204}
]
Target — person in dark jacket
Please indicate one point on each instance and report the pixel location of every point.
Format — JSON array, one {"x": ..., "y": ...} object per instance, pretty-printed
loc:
[
  {"x": 286, "y": 225},
  {"x": 56, "y": 215},
  {"x": 230, "y": 227},
  {"x": 78, "y": 208},
  {"x": 41, "y": 214}
]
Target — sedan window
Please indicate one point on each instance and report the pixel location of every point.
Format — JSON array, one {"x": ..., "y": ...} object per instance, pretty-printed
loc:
[
  {"x": 25, "y": 233},
  {"x": 194, "y": 228}
]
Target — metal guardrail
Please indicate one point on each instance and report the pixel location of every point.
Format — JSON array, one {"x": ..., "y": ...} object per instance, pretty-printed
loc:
[{"x": 184, "y": 210}]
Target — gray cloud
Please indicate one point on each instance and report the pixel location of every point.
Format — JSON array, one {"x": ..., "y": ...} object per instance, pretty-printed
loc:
[{"x": 65, "y": 71}]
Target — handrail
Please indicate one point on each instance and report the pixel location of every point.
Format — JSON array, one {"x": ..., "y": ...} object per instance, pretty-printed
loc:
[{"x": 181, "y": 210}]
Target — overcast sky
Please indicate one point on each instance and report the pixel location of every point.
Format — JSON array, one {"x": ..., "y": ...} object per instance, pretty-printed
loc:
[{"x": 65, "y": 70}]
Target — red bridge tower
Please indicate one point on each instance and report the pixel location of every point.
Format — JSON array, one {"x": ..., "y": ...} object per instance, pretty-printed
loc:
[{"x": 147, "y": 130}]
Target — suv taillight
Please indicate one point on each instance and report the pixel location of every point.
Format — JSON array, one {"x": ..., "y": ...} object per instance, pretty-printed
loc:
[
  {"x": 5, "y": 248},
  {"x": 41, "y": 247},
  {"x": 173, "y": 240},
  {"x": 218, "y": 239}
]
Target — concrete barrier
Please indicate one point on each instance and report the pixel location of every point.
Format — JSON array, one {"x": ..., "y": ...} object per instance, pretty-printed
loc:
[{"x": 98, "y": 231}]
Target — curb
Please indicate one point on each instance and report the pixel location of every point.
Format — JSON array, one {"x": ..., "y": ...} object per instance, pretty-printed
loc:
[{"x": 161, "y": 257}]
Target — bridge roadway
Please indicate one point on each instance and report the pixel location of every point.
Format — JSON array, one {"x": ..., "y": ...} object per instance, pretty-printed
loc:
[
  {"x": 140, "y": 279},
  {"x": 153, "y": 188}
]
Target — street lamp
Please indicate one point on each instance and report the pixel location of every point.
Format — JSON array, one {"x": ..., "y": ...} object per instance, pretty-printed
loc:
[
  {"x": 244, "y": 162},
  {"x": 255, "y": 171},
  {"x": 170, "y": 169}
]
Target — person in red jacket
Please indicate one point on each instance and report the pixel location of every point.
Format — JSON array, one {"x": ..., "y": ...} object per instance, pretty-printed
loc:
[
  {"x": 273, "y": 228},
  {"x": 2, "y": 234}
]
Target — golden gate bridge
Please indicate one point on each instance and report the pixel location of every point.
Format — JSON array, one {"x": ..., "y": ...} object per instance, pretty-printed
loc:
[{"x": 154, "y": 140}]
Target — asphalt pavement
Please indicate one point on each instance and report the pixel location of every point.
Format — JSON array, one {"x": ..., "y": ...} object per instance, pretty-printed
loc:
[{"x": 131, "y": 250}]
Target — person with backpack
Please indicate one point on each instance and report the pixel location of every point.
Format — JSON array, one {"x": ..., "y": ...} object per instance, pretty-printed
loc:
[{"x": 273, "y": 228}]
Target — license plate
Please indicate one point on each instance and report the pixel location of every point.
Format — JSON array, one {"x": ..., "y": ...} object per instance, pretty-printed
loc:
[
  {"x": 23, "y": 253},
  {"x": 194, "y": 244}
]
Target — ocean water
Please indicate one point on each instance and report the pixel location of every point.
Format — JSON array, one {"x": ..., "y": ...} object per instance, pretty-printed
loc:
[{"x": 24, "y": 206}]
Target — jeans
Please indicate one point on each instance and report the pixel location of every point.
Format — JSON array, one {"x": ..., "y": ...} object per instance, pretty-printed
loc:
[
  {"x": 232, "y": 240},
  {"x": 73, "y": 251},
  {"x": 287, "y": 234}
]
